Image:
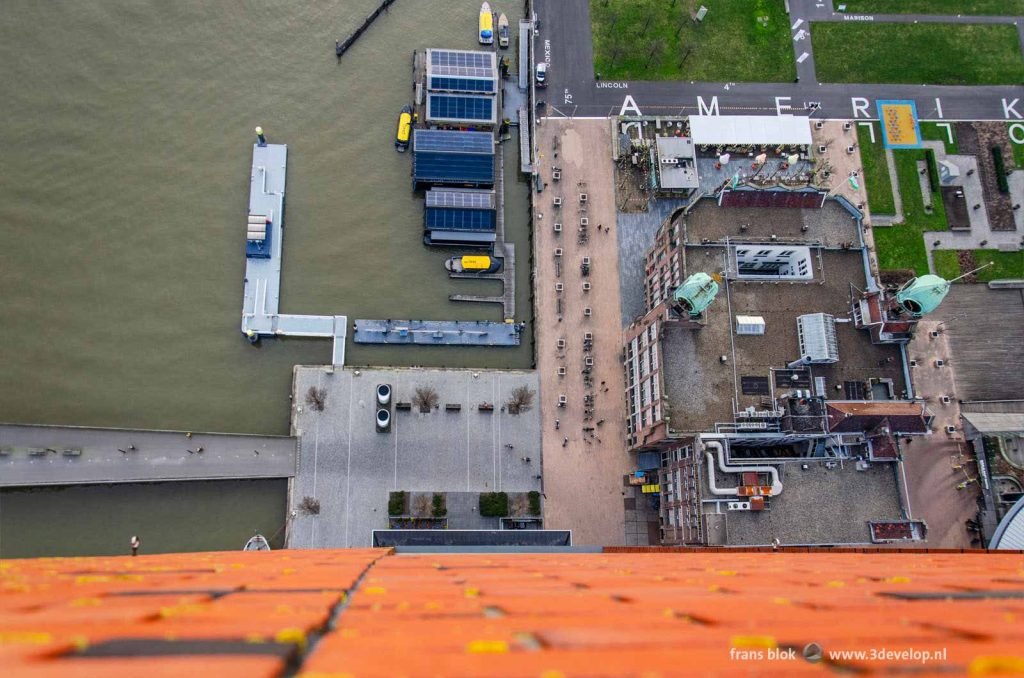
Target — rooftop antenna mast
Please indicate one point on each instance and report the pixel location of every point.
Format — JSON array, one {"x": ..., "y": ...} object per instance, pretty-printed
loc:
[{"x": 964, "y": 275}]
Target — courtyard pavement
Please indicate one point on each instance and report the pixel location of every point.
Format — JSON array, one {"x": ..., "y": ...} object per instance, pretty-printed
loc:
[{"x": 350, "y": 468}]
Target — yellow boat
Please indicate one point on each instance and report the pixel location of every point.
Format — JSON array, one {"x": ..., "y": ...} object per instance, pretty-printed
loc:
[
  {"x": 404, "y": 129},
  {"x": 486, "y": 25},
  {"x": 471, "y": 263}
]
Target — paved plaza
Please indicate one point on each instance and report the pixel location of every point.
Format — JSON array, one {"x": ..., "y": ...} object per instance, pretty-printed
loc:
[
  {"x": 583, "y": 469},
  {"x": 350, "y": 468}
]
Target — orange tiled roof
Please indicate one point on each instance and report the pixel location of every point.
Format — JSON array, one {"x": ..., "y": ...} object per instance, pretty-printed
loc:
[{"x": 649, "y": 612}]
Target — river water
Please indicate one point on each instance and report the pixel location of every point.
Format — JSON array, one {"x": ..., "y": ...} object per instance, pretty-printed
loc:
[{"x": 124, "y": 178}]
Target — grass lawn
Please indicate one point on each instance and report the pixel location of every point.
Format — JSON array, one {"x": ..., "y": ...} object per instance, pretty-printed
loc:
[
  {"x": 953, "y": 7},
  {"x": 1018, "y": 149},
  {"x": 739, "y": 40},
  {"x": 933, "y": 54},
  {"x": 903, "y": 246},
  {"x": 946, "y": 263},
  {"x": 1008, "y": 264},
  {"x": 875, "y": 171},
  {"x": 932, "y": 132}
]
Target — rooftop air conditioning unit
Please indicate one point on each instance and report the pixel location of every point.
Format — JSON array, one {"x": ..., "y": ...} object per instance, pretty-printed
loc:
[
  {"x": 557, "y": 201},
  {"x": 587, "y": 312},
  {"x": 558, "y": 228},
  {"x": 584, "y": 221},
  {"x": 583, "y": 197},
  {"x": 558, "y": 251},
  {"x": 586, "y": 287},
  {"x": 850, "y": 150}
]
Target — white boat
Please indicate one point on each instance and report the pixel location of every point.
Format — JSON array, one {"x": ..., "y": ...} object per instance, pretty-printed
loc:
[
  {"x": 503, "y": 33},
  {"x": 257, "y": 543},
  {"x": 486, "y": 25}
]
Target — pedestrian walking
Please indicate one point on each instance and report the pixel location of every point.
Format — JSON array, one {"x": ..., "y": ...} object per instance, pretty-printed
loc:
[
  {"x": 135, "y": 544},
  {"x": 600, "y": 421},
  {"x": 557, "y": 424},
  {"x": 528, "y": 460}
]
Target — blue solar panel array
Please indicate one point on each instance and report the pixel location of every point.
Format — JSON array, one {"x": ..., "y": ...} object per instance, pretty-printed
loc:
[
  {"x": 452, "y": 141},
  {"x": 453, "y": 169},
  {"x": 461, "y": 84},
  {"x": 449, "y": 219},
  {"x": 454, "y": 107}
]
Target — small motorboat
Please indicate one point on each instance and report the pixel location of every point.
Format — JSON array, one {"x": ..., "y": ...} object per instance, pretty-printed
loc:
[
  {"x": 257, "y": 543},
  {"x": 473, "y": 263},
  {"x": 503, "y": 33},
  {"x": 404, "y": 129},
  {"x": 486, "y": 25}
]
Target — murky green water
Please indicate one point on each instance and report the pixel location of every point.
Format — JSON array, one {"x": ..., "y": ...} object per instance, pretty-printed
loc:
[
  {"x": 123, "y": 188},
  {"x": 167, "y": 517},
  {"x": 124, "y": 179}
]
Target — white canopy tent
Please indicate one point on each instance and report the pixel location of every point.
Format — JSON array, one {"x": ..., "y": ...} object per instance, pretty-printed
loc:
[{"x": 767, "y": 130}]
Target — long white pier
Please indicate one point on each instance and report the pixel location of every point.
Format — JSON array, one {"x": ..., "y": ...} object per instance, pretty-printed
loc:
[{"x": 262, "y": 295}]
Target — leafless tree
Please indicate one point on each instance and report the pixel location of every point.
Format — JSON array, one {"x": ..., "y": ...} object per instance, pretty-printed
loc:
[
  {"x": 425, "y": 398},
  {"x": 309, "y": 506},
  {"x": 520, "y": 401},
  {"x": 316, "y": 398},
  {"x": 423, "y": 507}
]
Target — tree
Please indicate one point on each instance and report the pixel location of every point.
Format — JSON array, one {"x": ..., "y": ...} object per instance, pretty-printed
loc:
[
  {"x": 520, "y": 400},
  {"x": 425, "y": 398},
  {"x": 422, "y": 508},
  {"x": 316, "y": 398},
  {"x": 309, "y": 506}
]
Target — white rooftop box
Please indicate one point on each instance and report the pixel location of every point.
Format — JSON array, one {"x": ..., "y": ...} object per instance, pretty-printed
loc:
[{"x": 749, "y": 324}]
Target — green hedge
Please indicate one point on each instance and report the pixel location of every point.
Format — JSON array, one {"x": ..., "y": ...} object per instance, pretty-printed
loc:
[
  {"x": 997, "y": 158},
  {"x": 494, "y": 504},
  {"x": 534, "y": 503},
  {"x": 933, "y": 169},
  {"x": 440, "y": 509},
  {"x": 396, "y": 503}
]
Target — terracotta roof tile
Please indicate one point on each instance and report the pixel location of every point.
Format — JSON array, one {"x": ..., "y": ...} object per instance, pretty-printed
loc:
[{"x": 641, "y": 612}]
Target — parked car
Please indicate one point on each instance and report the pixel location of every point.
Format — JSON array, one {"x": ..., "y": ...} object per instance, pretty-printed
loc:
[{"x": 542, "y": 74}]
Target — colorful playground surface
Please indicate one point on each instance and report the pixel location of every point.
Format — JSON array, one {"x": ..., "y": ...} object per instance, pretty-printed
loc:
[{"x": 899, "y": 124}]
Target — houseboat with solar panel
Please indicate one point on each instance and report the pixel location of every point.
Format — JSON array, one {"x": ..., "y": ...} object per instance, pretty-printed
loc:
[
  {"x": 486, "y": 25},
  {"x": 472, "y": 263}
]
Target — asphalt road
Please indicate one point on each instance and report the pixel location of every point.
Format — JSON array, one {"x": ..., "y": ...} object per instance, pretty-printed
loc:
[{"x": 564, "y": 41}]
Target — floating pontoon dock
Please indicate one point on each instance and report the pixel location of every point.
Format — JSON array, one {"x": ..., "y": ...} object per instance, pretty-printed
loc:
[
  {"x": 265, "y": 231},
  {"x": 437, "y": 332}
]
